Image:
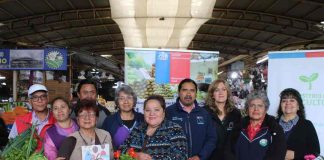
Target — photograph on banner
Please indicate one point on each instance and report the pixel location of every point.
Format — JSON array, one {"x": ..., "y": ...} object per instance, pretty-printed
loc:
[
  {"x": 303, "y": 71},
  {"x": 159, "y": 71},
  {"x": 27, "y": 58}
]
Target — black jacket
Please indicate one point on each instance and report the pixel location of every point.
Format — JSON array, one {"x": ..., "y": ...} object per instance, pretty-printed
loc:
[
  {"x": 223, "y": 129},
  {"x": 303, "y": 139},
  {"x": 268, "y": 144},
  {"x": 3, "y": 134}
]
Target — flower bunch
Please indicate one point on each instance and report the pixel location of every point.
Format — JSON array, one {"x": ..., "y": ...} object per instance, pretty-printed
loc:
[
  {"x": 309, "y": 157},
  {"x": 130, "y": 155}
]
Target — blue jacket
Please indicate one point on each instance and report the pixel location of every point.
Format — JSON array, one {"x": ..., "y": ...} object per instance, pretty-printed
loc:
[
  {"x": 118, "y": 131},
  {"x": 268, "y": 143},
  {"x": 198, "y": 127}
]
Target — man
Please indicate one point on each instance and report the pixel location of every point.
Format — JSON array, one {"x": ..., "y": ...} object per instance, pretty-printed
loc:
[
  {"x": 195, "y": 121},
  {"x": 87, "y": 90},
  {"x": 39, "y": 116}
]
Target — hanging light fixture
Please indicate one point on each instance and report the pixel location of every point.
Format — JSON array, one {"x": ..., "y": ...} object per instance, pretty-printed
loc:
[
  {"x": 111, "y": 77},
  {"x": 160, "y": 23}
]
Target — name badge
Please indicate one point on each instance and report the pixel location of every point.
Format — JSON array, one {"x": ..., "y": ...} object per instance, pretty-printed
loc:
[{"x": 200, "y": 120}]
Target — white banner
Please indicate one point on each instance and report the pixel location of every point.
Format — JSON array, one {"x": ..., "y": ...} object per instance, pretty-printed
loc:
[{"x": 301, "y": 70}]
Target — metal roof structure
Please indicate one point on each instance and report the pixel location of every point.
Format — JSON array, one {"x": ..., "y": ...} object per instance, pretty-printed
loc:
[{"x": 239, "y": 29}]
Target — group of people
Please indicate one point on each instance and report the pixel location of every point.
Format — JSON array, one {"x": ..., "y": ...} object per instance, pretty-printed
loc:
[{"x": 183, "y": 130}]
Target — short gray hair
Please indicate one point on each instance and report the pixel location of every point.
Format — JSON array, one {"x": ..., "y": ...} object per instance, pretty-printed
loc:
[
  {"x": 126, "y": 89},
  {"x": 257, "y": 95}
]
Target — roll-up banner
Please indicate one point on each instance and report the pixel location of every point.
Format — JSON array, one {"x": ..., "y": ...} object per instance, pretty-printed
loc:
[
  {"x": 159, "y": 71},
  {"x": 301, "y": 70}
]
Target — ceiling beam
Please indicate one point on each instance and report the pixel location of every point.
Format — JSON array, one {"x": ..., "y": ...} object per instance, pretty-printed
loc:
[
  {"x": 252, "y": 29},
  {"x": 233, "y": 37},
  {"x": 213, "y": 44},
  {"x": 66, "y": 27}
]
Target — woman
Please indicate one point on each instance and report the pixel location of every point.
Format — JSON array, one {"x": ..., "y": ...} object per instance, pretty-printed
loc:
[
  {"x": 88, "y": 135},
  {"x": 223, "y": 112},
  {"x": 61, "y": 129},
  {"x": 258, "y": 136},
  {"x": 122, "y": 123},
  {"x": 300, "y": 133},
  {"x": 157, "y": 138}
]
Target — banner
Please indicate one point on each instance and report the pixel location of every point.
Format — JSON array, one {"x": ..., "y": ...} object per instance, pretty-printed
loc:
[
  {"x": 159, "y": 71},
  {"x": 33, "y": 59},
  {"x": 301, "y": 70}
]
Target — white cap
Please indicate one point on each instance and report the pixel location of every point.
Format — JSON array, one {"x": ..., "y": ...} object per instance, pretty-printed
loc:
[{"x": 36, "y": 87}]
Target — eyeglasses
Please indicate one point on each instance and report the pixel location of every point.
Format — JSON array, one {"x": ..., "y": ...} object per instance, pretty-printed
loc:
[
  {"x": 37, "y": 98},
  {"x": 128, "y": 98},
  {"x": 256, "y": 106},
  {"x": 89, "y": 115}
]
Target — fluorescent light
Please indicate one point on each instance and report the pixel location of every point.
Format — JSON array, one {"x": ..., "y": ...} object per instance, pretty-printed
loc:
[
  {"x": 220, "y": 73},
  {"x": 322, "y": 22},
  {"x": 3, "y": 83},
  {"x": 263, "y": 59},
  {"x": 106, "y": 55},
  {"x": 2, "y": 77},
  {"x": 234, "y": 75}
]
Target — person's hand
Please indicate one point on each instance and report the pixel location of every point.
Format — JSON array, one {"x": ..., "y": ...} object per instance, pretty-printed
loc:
[
  {"x": 60, "y": 158},
  {"x": 143, "y": 156},
  {"x": 194, "y": 158},
  {"x": 290, "y": 155}
]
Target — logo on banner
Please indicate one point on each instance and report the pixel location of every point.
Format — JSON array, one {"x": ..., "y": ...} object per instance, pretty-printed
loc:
[
  {"x": 163, "y": 56},
  {"x": 309, "y": 79},
  {"x": 54, "y": 59}
]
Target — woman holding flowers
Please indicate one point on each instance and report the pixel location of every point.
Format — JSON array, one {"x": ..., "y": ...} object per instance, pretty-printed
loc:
[
  {"x": 61, "y": 129},
  {"x": 301, "y": 136},
  {"x": 157, "y": 138}
]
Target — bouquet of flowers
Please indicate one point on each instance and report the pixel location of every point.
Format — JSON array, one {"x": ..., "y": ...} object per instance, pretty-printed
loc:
[
  {"x": 130, "y": 155},
  {"x": 313, "y": 157}
]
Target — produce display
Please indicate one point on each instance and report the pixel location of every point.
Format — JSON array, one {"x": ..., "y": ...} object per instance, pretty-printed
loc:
[{"x": 23, "y": 147}]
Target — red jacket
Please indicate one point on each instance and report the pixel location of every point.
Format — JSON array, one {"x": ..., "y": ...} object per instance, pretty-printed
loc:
[{"x": 25, "y": 121}]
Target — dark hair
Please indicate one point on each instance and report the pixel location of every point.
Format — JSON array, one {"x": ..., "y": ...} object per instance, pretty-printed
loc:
[
  {"x": 128, "y": 90},
  {"x": 159, "y": 98},
  {"x": 86, "y": 81},
  {"x": 87, "y": 105},
  {"x": 187, "y": 80},
  {"x": 62, "y": 99},
  {"x": 292, "y": 93},
  {"x": 210, "y": 100}
]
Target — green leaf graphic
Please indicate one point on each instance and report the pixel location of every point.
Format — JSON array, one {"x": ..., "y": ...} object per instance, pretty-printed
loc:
[
  {"x": 313, "y": 77},
  {"x": 304, "y": 78}
]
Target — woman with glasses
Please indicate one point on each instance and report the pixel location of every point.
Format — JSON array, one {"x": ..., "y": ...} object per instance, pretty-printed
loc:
[
  {"x": 88, "y": 135},
  {"x": 120, "y": 124},
  {"x": 63, "y": 127},
  {"x": 301, "y": 136},
  {"x": 258, "y": 136}
]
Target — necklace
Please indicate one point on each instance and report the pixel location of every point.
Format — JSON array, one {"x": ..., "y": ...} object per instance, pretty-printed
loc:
[{"x": 92, "y": 141}]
